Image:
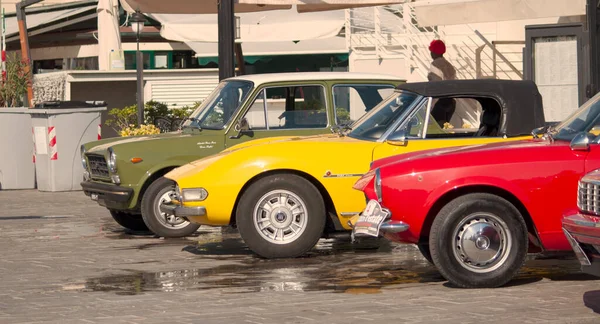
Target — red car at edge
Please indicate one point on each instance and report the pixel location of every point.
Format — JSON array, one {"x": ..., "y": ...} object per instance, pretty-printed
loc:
[
  {"x": 475, "y": 212},
  {"x": 582, "y": 229}
]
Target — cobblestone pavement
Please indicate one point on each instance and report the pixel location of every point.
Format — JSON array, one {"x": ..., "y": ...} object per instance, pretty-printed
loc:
[{"x": 64, "y": 260}]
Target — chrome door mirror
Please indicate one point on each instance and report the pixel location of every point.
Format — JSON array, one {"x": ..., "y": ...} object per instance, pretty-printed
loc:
[
  {"x": 242, "y": 126},
  {"x": 581, "y": 142},
  {"x": 398, "y": 138}
]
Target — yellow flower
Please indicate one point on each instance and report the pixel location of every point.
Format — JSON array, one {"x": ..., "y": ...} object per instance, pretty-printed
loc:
[{"x": 142, "y": 130}]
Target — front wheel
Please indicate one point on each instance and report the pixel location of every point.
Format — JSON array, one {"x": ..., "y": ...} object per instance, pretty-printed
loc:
[
  {"x": 129, "y": 221},
  {"x": 478, "y": 241},
  {"x": 281, "y": 216},
  {"x": 160, "y": 191}
]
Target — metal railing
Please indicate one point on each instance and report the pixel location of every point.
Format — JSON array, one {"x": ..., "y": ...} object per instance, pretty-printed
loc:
[{"x": 394, "y": 31}]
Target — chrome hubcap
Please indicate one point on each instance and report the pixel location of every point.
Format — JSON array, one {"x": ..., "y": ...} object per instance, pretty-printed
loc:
[
  {"x": 481, "y": 242},
  {"x": 169, "y": 220},
  {"x": 280, "y": 216}
]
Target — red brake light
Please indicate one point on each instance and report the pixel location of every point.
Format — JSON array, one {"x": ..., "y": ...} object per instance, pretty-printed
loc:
[{"x": 364, "y": 180}]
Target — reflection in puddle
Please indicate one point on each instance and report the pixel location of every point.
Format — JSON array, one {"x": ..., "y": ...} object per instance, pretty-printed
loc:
[{"x": 334, "y": 265}]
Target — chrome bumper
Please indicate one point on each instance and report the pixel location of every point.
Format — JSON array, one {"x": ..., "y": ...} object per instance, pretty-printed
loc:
[
  {"x": 182, "y": 211},
  {"x": 389, "y": 226}
]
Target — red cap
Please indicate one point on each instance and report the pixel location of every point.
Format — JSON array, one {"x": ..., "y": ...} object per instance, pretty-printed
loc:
[{"x": 437, "y": 47}]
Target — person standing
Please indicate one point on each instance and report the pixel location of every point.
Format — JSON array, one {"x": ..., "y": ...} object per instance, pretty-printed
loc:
[{"x": 440, "y": 68}]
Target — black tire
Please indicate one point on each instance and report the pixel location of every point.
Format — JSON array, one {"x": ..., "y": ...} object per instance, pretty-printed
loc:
[
  {"x": 129, "y": 221},
  {"x": 314, "y": 216},
  {"x": 424, "y": 249},
  {"x": 498, "y": 216},
  {"x": 151, "y": 213}
]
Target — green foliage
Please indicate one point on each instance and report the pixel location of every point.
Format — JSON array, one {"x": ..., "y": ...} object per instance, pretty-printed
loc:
[
  {"x": 14, "y": 88},
  {"x": 123, "y": 118},
  {"x": 343, "y": 115}
]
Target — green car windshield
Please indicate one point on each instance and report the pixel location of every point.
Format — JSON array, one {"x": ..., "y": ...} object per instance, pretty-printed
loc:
[
  {"x": 220, "y": 106},
  {"x": 585, "y": 119},
  {"x": 376, "y": 122}
]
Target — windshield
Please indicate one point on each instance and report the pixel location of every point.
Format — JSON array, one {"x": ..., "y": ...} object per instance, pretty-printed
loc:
[
  {"x": 585, "y": 119},
  {"x": 374, "y": 123},
  {"x": 217, "y": 109}
]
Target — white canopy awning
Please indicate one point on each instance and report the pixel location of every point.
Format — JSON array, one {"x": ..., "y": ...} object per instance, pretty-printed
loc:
[
  {"x": 271, "y": 26},
  {"x": 457, "y": 12},
  {"x": 40, "y": 20},
  {"x": 333, "y": 45},
  {"x": 210, "y": 6}
]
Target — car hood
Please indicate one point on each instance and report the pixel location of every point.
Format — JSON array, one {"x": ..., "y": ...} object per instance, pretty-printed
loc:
[
  {"x": 492, "y": 153},
  {"x": 102, "y": 145},
  {"x": 318, "y": 155}
]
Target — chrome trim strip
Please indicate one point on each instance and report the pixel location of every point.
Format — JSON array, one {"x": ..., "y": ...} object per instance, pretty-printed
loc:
[
  {"x": 394, "y": 227},
  {"x": 181, "y": 211},
  {"x": 331, "y": 175},
  {"x": 581, "y": 256},
  {"x": 428, "y": 112},
  {"x": 350, "y": 213}
]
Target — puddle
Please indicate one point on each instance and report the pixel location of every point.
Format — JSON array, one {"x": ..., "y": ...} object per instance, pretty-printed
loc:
[{"x": 335, "y": 265}]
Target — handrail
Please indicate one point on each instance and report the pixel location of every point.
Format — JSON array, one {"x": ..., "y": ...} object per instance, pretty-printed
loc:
[{"x": 500, "y": 55}]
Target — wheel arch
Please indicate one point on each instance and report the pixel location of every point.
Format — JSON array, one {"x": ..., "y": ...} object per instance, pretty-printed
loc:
[
  {"x": 453, "y": 194},
  {"x": 332, "y": 222},
  {"x": 150, "y": 179}
]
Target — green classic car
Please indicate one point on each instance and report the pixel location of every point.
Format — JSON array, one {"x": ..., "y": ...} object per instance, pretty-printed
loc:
[{"x": 125, "y": 175}]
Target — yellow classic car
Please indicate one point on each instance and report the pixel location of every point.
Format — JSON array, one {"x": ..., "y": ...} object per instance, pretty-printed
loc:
[{"x": 285, "y": 193}]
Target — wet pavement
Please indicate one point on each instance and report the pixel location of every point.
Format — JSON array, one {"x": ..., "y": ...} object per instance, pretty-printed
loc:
[{"x": 63, "y": 260}]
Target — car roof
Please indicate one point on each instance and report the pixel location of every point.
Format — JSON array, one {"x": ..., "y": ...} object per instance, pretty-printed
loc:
[
  {"x": 520, "y": 100},
  {"x": 314, "y": 76},
  {"x": 472, "y": 87}
]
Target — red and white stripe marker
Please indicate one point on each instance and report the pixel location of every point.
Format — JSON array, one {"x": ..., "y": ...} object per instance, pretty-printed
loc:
[
  {"x": 99, "y": 131},
  {"x": 3, "y": 66},
  {"x": 52, "y": 143}
]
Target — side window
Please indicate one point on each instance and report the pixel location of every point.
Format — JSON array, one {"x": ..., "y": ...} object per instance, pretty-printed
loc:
[
  {"x": 456, "y": 117},
  {"x": 351, "y": 101},
  {"x": 293, "y": 107},
  {"x": 256, "y": 114}
]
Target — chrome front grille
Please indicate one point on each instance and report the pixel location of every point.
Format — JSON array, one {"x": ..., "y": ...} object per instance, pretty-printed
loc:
[
  {"x": 98, "y": 166},
  {"x": 588, "y": 197}
]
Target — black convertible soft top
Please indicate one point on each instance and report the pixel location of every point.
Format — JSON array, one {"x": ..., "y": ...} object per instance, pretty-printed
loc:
[{"x": 520, "y": 101}]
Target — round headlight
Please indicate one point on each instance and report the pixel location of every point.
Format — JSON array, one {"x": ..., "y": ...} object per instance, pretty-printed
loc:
[
  {"x": 112, "y": 160},
  {"x": 83, "y": 160}
]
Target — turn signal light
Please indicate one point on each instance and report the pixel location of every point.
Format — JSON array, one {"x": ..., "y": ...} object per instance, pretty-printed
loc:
[
  {"x": 136, "y": 160},
  {"x": 364, "y": 180}
]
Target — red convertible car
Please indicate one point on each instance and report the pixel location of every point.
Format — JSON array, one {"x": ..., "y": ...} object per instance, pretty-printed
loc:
[
  {"x": 582, "y": 229},
  {"x": 475, "y": 212}
]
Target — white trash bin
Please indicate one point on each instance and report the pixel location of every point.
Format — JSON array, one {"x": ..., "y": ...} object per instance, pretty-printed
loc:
[
  {"x": 59, "y": 131},
  {"x": 17, "y": 170}
]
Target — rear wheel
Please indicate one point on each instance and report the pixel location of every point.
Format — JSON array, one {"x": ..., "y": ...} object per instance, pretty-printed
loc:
[
  {"x": 281, "y": 216},
  {"x": 160, "y": 191},
  {"x": 129, "y": 221},
  {"x": 478, "y": 241}
]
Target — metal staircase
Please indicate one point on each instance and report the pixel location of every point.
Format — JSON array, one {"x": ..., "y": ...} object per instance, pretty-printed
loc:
[{"x": 393, "y": 31}]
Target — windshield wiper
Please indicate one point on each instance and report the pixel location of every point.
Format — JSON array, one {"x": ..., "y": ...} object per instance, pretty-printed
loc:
[
  {"x": 341, "y": 129},
  {"x": 548, "y": 133},
  {"x": 195, "y": 120}
]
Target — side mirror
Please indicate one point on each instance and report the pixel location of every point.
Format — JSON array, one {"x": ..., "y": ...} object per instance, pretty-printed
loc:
[
  {"x": 241, "y": 127},
  {"x": 398, "y": 139},
  {"x": 581, "y": 142}
]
